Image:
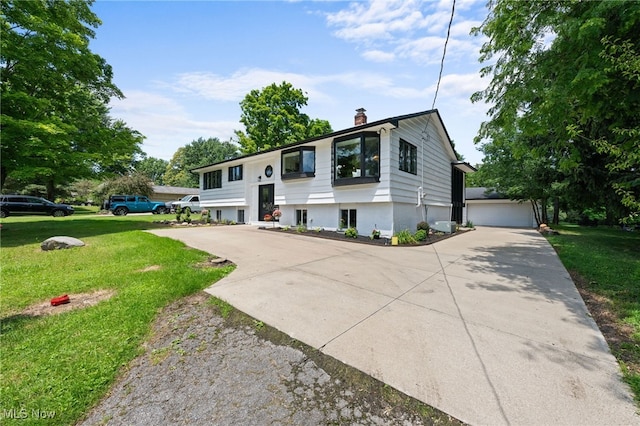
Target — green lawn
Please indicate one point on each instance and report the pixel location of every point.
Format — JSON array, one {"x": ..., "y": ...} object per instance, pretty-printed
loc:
[
  {"x": 607, "y": 264},
  {"x": 64, "y": 363}
]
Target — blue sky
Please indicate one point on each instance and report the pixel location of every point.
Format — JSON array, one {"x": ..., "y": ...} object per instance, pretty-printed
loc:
[{"x": 184, "y": 66}]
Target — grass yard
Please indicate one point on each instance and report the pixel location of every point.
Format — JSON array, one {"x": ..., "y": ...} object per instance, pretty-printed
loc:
[
  {"x": 605, "y": 265},
  {"x": 55, "y": 367}
]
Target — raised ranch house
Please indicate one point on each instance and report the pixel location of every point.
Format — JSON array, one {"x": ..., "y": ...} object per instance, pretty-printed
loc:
[{"x": 387, "y": 175}]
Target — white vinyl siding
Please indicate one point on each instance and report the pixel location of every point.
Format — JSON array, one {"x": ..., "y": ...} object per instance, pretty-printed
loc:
[{"x": 434, "y": 164}]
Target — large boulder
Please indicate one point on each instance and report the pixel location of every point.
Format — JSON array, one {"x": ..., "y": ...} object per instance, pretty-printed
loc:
[{"x": 57, "y": 243}]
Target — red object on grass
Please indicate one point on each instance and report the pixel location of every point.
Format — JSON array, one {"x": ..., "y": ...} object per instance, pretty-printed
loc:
[{"x": 60, "y": 300}]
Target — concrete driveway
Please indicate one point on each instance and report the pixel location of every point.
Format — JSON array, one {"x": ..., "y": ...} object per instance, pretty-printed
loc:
[{"x": 486, "y": 326}]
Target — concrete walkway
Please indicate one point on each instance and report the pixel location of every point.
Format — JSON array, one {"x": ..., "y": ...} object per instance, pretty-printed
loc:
[{"x": 486, "y": 326}]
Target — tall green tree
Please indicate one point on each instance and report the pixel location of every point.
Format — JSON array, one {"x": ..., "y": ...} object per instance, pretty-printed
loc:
[
  {"x": 272, "y": 118},
  {"x": 55, "y": 91},
  {"x": 198, "y": 153},
  {"x": 557, "y": 78},
  {"x": 153, "y": 168}
]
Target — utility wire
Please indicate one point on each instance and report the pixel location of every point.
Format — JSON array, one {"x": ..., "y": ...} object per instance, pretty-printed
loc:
[
  {"x": 444, "y": 53},
  {"x": 425, "y": 132}
]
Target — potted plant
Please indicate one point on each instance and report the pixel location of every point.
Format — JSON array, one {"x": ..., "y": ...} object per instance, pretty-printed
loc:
[
  {"x": 267, "y": 217},
  {"x": 375, "y": 234}
]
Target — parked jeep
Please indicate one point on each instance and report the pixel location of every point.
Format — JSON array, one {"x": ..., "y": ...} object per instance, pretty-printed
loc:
[
  {"x": 192, "y": 202},
  {"x": 120, "y": 205}
]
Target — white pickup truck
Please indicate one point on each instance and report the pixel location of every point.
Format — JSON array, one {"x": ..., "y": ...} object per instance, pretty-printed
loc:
[{"x": 188, "y": 201}]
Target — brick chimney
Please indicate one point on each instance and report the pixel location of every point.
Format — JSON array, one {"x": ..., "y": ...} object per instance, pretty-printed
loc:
[{"x": 360, "y": 117}]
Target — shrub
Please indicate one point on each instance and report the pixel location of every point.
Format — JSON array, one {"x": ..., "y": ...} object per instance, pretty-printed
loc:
[
  {"x": 423, "y": 226},
  {"x": 205, "y": 216},
  {"x": 301, "y": 228},
  {"x": 351, "y": 233},
  {"x": 179, "y": 214},
  {"x": 406, "y": 237},
  {"x": 469, "y": 224},
  {"x": 420, "y": 235}
]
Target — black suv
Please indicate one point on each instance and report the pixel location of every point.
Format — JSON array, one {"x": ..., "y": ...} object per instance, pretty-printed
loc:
[{"x": 25, "y": 204}]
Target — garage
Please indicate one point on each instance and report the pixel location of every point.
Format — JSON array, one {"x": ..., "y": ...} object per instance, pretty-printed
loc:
[{"x": 489, "y": 208}]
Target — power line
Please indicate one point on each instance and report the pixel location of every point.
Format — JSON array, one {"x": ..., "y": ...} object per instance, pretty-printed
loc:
[
  {"x": 444, "y": 53},
  {"x": 425, "y": 132}
]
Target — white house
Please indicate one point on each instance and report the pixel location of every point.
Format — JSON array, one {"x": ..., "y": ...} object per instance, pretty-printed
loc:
[{"x": 389, "y": 175}]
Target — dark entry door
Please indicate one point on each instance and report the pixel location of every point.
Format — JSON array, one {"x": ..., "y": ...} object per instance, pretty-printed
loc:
[{"x": 265, "y": 195}]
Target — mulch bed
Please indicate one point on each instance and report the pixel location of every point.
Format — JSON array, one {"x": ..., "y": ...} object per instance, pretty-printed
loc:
[{"x": 361, "y": 239}]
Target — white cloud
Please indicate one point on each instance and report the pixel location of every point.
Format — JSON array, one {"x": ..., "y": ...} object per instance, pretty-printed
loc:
[
  {"x": 378, "y": 19},
  {"x": 378, "y": 56},
  {"x": 235, "y": 87},
  {"x": 165, "y": 123},
  {"x": 411, "y": 29}
]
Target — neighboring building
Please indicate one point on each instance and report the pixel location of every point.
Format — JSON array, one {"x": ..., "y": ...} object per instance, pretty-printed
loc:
[
  {"x": 171, "y": 193},
  {"x": 389, "y": 175},
  {"x": 488, "y": 208}
]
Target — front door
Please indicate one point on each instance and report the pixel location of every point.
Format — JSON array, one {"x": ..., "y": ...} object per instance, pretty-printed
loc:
[{"x": 265, "y": 195}]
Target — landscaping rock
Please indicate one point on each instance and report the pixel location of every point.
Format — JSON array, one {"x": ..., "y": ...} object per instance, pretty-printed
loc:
[{"x": 57, "y": 243}]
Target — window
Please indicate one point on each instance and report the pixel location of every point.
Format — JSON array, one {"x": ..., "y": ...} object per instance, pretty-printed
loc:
[
  {"x": 357, "y": 159},
  {"x": 301, "y": 217},
  {"x": 212, "y": 180},
  {"x": 235, "y": 173},
  {"x": 299, "y": 162},
  {"x": 218, "y": 215},
  {"x": 408, "y": 157},
  {"x": 240, "y": 216},
  {"x": 348, "y": 218}
]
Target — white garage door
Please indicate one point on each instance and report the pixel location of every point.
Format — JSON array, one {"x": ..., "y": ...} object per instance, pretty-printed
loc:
[{"x": 510, "y": 214}]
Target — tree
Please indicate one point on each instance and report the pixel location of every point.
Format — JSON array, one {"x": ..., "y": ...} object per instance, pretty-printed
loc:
[
  {"x": 133, "y": 184},
  {"x": 82, "y": 190},
  {"x": 153, "y": 168},
  {"x": 54, "y": 120},
  {"x": 559, "y": 92},
  {"x": 272, "y": 118},
  {"x": 198, "y": 153}
]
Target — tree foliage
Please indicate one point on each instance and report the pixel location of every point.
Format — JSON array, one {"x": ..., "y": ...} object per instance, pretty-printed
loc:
[
  {"x": 153, "y": 168},
  {"x": 272, "y": 118},
  {"x": 54, "y": 121},
  {"x": 131, "y": 184},
  {"x": 198, "y": 153},
  {"x": 565, "y": 95}
]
